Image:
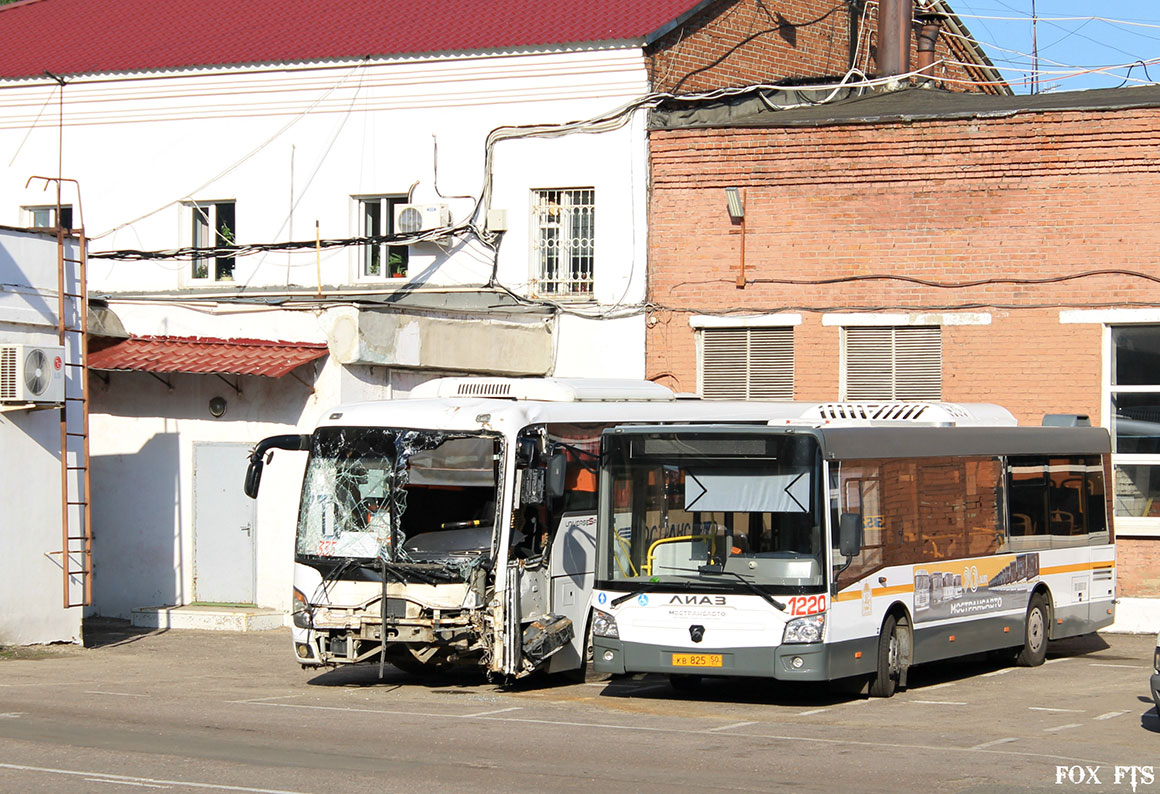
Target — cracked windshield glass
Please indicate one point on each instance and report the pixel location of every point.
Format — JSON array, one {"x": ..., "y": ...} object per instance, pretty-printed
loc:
[{"x": 398, "y": 495}]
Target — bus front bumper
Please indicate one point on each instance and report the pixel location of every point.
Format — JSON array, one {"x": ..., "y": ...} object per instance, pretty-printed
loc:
[{"x": 805, "y": 662}]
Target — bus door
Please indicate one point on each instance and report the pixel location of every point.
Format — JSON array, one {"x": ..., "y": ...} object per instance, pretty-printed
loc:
[{"x": 535, "y": 628}]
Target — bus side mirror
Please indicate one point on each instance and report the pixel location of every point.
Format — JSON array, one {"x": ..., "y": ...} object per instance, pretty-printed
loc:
[
  {"x": 253, "y": 478},
  {"x": 850, "y": 534},
  {"x": 557, "y": 473},
  {"x": 254, "y": 471}
]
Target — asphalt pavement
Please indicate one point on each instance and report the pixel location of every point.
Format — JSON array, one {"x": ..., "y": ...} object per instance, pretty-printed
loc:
[{"x": 192, "y": 711}]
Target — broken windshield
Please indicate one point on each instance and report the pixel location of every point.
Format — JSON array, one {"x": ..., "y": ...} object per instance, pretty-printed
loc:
[{"x": 398, "y": 495}]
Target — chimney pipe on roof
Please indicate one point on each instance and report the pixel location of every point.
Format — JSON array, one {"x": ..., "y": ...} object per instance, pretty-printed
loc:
[
  {"x": 894, "y": 21},
  {"x": 929, "y": 24}
]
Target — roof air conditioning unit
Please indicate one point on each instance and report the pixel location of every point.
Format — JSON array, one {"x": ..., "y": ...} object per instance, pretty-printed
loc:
[
  {"x": 417, "y": 218},
  {"x": 31, "y": 374}
]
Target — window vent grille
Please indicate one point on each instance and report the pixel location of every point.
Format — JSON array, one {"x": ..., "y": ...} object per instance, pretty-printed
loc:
[
  {"x": 747, "y": 363},
  {"x": 893, "y": 363}
]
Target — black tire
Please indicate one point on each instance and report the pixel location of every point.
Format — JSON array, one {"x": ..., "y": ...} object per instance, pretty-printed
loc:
[
  {"x": 683, "y": 682},
  {"x": 1034, "y": 649},
  {"x": 892, "y": 658}
]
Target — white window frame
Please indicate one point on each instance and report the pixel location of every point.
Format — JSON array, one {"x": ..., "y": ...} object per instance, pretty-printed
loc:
[
  {"x": 201, "y": 221},
  {"x": 386, "y": 202},
  {"x": 749, "y": 325},
  {"x": 576, "y": 252},
  {"x": 43, "y": 216},
  {"x": 1125, "y": 526}
]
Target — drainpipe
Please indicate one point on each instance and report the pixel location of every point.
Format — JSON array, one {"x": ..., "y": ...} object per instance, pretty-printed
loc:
[{"x": 894, "y": 21}]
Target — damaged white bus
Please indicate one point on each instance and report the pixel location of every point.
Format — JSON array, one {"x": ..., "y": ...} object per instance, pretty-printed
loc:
[{"x": 457, "y": 527}]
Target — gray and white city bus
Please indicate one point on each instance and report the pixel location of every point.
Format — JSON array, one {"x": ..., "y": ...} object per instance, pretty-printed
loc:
[{"x": 814, "y": 551}]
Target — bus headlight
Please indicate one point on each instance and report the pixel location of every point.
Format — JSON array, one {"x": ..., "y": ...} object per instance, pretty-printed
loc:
[
  {"x": 604, "y": 625},
  {"x": 300, "y": 611},
  {"x": 807, "y": 629}
]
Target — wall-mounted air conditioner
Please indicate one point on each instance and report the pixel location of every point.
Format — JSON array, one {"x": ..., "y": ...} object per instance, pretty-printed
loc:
[
  {"x": 31, "y": 374},
  {"x": 416, "y": 218}
]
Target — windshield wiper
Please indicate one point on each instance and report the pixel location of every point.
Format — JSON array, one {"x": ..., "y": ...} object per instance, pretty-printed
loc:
[{"x": 717, "y": 569}]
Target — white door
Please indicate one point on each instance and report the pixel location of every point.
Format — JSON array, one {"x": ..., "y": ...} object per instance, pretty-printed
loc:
[{"x": 223, "y": 525}]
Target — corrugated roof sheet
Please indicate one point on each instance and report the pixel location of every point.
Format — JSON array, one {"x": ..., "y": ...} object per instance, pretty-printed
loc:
[
  {"x": 205, "y": 356},
  {"x": 81, "y": 36}
]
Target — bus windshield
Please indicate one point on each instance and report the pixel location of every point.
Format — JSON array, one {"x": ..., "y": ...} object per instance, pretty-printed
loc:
[
  {"x": 686, "y": 507},
  {"x": 398, "y": 495}
]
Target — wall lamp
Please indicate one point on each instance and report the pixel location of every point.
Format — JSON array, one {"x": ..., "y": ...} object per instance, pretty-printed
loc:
[
  {"x": 736, "y": 203},
  {"x": 736, "y": 206}
]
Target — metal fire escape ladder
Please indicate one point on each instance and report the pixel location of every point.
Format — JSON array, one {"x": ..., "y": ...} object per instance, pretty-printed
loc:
[{"x": 76, "y": 509}]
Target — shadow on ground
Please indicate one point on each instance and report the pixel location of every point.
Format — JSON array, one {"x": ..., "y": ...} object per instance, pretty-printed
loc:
[{"x": 101, "y": 632}]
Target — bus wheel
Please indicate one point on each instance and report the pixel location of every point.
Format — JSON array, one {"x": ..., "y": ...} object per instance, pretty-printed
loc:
[
  {"x": 683, "y": 682},
  {"x": 893, "y": 643},
  {"x": 1034, "y": 649}
]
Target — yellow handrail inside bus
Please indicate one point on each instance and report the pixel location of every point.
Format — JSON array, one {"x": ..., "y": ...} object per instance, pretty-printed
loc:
[{"x": 646, "y": 569}]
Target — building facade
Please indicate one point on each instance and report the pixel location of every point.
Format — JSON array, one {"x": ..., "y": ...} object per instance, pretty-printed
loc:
[{"x": 922, "y": 245}]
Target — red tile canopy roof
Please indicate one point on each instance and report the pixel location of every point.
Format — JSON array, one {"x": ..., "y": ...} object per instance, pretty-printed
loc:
[
  {"x": 205, "y": 356},
  {"x": 82, "y": 36}
]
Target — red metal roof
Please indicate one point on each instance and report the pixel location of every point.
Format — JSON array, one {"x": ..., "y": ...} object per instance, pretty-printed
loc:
[
  {"x": 205, "y": 356},
  {"x": 82, "y": 36}
]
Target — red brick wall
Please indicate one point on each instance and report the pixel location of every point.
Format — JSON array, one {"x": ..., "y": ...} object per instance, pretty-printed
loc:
[
  {"x": 741, "y": 42},
  {"x": 1033, "y": 196},
  {"x": 1138, "y": 567}
]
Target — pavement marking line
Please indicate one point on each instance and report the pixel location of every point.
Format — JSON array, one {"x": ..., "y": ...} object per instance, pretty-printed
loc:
[
  {"x": 259, "y": 700},
  {"x": 939, "y": 686},
  {"x": 123, "y": 783},
  {"x": 939, "y": 702},
  {"x": 11, "y": 715},
  {"x": 1062, "y": 727},
  {"x": 1110, "y": 714},
  {"x": 1045, "y": 708},
  {"x": 730, "y": 727},
  {"x": 116, "y": 694},
  {"x": 1060, "y": 659},
  {"x": 1125, "y": 666},
  {"x": 606, "y": 726},
  {"x": 103, "y": 777},
  {"x": 1004, "y": 671},
  {"x": 489, "y": 713},
  {"x": 985, "y": 745},
  {"x": 811, "y": 712}
]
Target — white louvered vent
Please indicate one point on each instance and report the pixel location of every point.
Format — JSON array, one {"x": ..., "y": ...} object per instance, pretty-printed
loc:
[
  {"x": 893, "y": 363},
  {"x": 747, "y": 363},
  {"x": 8, "y": 385},
  {"x": 484, "y": 388}
]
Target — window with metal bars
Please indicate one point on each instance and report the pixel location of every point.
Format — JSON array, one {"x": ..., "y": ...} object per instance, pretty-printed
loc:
[
  {"x": 562, "y": 241},
  {"x": 746, "y": 363},
  {"x": 892, "y": 363}
]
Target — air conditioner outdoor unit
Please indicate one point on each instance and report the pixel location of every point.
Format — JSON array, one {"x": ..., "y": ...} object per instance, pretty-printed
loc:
[
  {"x": 415, "y": 218},
  {"x": 31, "y": 374}
]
